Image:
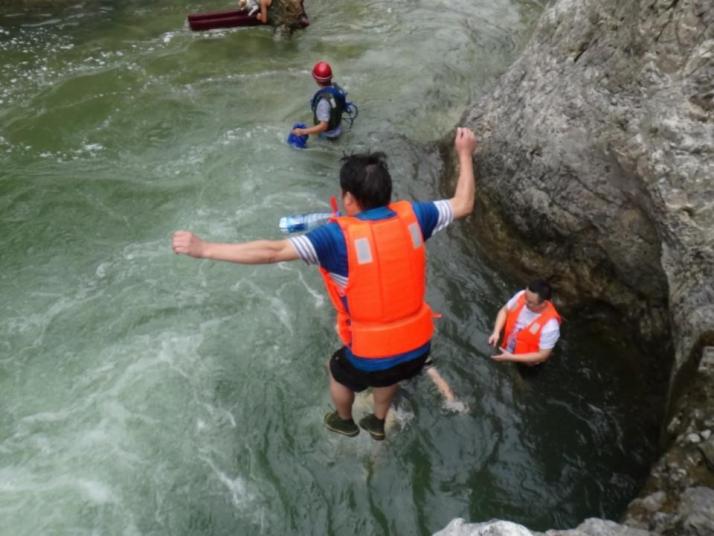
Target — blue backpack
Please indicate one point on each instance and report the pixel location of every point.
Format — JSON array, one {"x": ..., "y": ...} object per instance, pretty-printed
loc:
[{"x": 339, "y": 105}]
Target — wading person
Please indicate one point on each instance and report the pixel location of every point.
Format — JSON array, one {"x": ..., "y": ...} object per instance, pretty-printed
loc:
[
  {"x": 532, "y": 327},
  {"x": 328, "y": 104},
  {"x": 373, "y": 264}
]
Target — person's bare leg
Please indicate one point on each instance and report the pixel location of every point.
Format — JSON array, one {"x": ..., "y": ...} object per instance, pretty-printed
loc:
[
  {"x": 383, "y": 397},
  {"x": 441, "y": 384},
  {"x": 342, "y": 398}
]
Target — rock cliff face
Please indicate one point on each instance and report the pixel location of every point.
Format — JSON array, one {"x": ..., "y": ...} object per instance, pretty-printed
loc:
[
  {"x": 596, "y": 166},
  {"x": 597, "y": 157}
]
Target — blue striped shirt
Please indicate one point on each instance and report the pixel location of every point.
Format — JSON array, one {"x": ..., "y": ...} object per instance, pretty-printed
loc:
[{"x": 326, "y": 247}]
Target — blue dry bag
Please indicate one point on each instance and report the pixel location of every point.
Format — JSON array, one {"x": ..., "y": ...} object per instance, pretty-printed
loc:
[{"x": 299, "y": 142}]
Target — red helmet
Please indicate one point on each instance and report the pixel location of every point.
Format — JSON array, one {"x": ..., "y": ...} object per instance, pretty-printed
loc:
[{"x": 322, "y": 72}]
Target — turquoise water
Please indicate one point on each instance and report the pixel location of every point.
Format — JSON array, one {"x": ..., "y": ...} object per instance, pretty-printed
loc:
[{"x": 144, "y": 393}]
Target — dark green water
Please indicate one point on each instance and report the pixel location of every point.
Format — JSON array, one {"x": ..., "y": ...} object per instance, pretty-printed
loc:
[{"x": 144, "y": 393}]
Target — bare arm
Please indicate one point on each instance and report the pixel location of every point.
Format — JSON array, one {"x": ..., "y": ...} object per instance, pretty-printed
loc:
[
  {"x": 498, "y": 326},
  {"x": 256, "y": 252},
  {"x": 317, "y": 129},
  {"x": 463, "y": 201},
  {"x": 530, "y": 358}
]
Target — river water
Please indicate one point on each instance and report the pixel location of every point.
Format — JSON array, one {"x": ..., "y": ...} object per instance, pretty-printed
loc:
[{"x": 144, "y": 393}]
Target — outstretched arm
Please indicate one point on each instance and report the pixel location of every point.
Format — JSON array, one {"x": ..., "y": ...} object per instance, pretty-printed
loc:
[
  {"x": 463, "y": 201},
  {"x": 256, "y": 252},
  {"x": 531, "y": 358}
]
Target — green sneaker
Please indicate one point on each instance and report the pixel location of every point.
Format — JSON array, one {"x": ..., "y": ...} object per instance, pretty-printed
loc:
[
  {"x": 374, "y": 426},
  {"x": 334, "y": 423}
]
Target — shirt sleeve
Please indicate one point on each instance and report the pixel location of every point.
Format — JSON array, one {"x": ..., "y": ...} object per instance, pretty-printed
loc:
[
  {"x": 550, "y": 335},
  {"x": 512, "y": 302},
  {"x": 433, "y": 216},
  {"x": 324, "y": 246},
  {"x": 305, "y": 249},
  {"x": 323, "y": 110}
]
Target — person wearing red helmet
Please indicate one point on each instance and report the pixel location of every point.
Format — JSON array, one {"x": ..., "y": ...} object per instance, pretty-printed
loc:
[
  {"x": 328, "y": 104},
  {"x": 322, "y": 72}
]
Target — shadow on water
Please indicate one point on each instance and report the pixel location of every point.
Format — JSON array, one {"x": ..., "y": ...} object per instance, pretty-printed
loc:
[{"x": 145, "y": 393}]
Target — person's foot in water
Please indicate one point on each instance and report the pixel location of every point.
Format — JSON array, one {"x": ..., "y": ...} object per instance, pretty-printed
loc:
[
  {"x": 334, "y": 423},
  {"x": 374, "y": 426}
]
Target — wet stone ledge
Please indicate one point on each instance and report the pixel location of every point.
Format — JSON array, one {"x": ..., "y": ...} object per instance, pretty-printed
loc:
[{"x": 678, "y": 498}]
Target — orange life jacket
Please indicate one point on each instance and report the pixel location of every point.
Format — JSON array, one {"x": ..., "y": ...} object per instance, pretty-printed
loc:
[
  {"x": 381, "y": 312},
  {"x": 528, "y": 339}
]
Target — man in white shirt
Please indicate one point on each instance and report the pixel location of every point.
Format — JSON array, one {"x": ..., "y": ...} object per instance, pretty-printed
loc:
[{"x": 532, "y": 326}]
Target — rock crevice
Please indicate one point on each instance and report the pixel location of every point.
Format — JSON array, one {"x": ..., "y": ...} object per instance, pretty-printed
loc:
[{"x": 595, "y": 165}]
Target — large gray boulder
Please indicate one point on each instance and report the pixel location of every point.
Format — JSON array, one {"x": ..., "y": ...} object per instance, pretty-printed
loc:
[
  {"x": 596, "y": 170},
  {"x": 597, "y": 159}
]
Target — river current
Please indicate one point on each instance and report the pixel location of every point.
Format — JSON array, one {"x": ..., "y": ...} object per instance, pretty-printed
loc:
[{"x": 144, "y": 393}]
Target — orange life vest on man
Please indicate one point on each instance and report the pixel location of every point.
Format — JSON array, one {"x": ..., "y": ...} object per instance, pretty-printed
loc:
[
  {"x": 381, "y": 312},
  {"x": 528, "y": 339}
]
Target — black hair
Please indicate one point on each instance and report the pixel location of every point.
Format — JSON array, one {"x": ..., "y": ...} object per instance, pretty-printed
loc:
[
  {"x": 542, "y": 288},
  {"x": 367, "y": 178}
]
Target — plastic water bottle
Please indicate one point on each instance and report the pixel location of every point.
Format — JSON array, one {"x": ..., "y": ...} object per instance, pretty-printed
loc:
[{"x": 301, "y": 223}]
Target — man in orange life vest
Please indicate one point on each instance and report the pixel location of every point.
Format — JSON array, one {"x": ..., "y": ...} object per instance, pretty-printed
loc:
[
  {"x": 532, "y": 326},
  {"x": 372, "y": 260}
]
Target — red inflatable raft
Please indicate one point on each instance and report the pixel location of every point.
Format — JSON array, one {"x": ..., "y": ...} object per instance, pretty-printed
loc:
[{"x": 221, "y": 19}]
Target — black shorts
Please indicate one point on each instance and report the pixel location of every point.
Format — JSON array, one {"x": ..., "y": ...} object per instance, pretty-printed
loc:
[{"x": 358, "y": 380}]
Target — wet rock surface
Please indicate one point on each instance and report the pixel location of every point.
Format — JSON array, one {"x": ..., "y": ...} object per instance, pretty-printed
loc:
[
  {"x": 595, "y": 170},
  {"x": 678, "y": 498},
  {"x": 597, "y": 150},
  {"x": 590, "y": 527}
]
